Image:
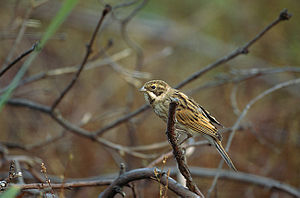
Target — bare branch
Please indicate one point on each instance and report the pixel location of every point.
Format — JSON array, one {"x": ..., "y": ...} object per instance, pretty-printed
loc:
[
  {"x": 243, "y": 75},
  {"x": 146, "y": 173},
  {"x": 121, "y": 120},
  {"x": 177, "y": 150},
  {"x": 6, "y": 68},
  {"x": 243, "y": 114},
  {"x": 73, "y": 184},
  {"x": 284, "y": 15},
  {"x": 130, "y": 42},
  {"x": 75, "y": 129},
  {"x": 72, "y": 69},
  {"x": 20, "y": 33},
  {"x": 88, "y": 52},
  {"x": 245, "y": 177}
]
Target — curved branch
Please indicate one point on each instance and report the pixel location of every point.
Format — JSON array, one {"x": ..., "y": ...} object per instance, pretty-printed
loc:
[
  {"x": 146, "y": 173},
  {"x": 245, "y": 177},
  {"x": 243, "y": 114},
  {"x": 56, "y": 116}
]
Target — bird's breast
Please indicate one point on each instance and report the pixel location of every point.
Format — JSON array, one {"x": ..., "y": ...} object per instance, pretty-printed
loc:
[{"x": 161, "y": 109}]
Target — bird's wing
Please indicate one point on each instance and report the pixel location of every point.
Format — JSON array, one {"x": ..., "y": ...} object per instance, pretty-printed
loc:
[
  {"x": 197, "y": 121},
  {"x": 210, "y": 117}
]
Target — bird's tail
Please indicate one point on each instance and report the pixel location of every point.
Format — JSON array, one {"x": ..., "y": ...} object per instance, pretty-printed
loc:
[{"x": 224, "y": 154}]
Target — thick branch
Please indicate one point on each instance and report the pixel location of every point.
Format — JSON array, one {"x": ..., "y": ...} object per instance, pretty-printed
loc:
[{"x": 146, "y": 173}]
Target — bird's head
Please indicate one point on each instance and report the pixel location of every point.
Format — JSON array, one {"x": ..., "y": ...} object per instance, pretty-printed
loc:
[{"x": 155, "y": 90}]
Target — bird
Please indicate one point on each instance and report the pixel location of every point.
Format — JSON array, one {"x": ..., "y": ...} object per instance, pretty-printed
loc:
[{"x": 190, "y": 117}]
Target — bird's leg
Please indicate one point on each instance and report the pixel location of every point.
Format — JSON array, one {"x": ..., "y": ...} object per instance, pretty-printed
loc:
[{"x": 186, "y": 138}]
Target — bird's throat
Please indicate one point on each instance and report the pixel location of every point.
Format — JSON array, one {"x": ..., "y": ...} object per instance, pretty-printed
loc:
[{"x": 149, "y": 98}]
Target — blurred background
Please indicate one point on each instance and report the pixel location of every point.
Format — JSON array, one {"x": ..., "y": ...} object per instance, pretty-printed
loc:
[{"x": 143, "y": 40}]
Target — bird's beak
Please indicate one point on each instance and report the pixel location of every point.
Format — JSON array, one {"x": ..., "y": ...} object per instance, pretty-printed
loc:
[{"x": 142, "y": 89}]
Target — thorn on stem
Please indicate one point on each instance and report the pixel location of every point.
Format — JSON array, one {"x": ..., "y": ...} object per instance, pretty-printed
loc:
[{"x": 122, "y": 169}]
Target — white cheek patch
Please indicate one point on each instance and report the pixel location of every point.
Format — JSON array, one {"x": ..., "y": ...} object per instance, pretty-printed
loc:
[
  {"x": 147, "y": 98},
  {"x": 152, "y": 95}
]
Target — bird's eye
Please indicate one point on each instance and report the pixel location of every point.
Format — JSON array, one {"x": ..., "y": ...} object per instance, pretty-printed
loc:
[{"x": 153, "y": 87}]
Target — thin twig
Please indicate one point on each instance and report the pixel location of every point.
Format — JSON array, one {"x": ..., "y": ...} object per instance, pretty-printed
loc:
[
  {"x": 121, "y": 120},
  {"x": 73, "y": 184},
  {"x": 233, "y": 100},
  {"x": 243, "y": 75},
  {"x": 177, "y": 150},
  {"x": 168, "y": 154},
  {"x": 20, "y": 34},
  {"x": 284, "y": 15},
  {"x": 44, "y": 142},
  {"x": 106, "y": 10},
  {"x": 243, "y": 114},
  {"x": 72, "y": 69},
  {"x": 6, "y": 68},
  {"x": 131, "y": 43}
]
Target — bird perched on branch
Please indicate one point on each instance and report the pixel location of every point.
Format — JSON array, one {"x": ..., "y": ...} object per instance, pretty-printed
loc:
[{"x": 190, "y": 116}]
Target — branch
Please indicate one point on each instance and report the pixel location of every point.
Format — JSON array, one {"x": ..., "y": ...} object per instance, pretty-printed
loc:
[
  {"x": 177, "y": 151},
  {"x": 243, "y": 75},
  {"x": 146, "y": 173},
  {"x": 284, "y": 15},
  {"x": 56, "y": 116},
  {"x": 135, "y": 46},
  {"x": 245, "y": 177},
  {"x": 88, "y": 52},
  {"x": 5, "y": 69},
  {"x": 20, "y": 33},
  {"x": 73, "y": 184},
  {"x": 243, "y": 114},
  {"x": 121, "y": 120},
  {"x": 72, "y": 69},
  {"x": 196, "y": 171}
]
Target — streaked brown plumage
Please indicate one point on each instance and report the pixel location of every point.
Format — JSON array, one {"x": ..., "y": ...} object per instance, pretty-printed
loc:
[{"x": 190, "y": 116}]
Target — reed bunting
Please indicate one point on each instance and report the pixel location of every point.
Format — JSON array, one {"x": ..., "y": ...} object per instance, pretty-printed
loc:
[{"x": 190, "y": 116}]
